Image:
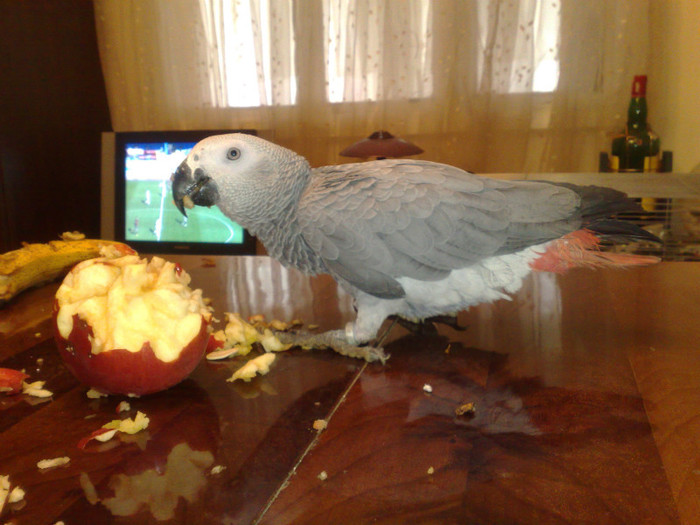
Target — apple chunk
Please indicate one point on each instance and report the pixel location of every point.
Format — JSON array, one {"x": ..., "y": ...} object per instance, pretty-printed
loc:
[{"x": 127, "y": 325}]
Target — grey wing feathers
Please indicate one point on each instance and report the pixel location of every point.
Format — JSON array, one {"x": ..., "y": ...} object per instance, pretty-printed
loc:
[{"x": 374, "y": 222}]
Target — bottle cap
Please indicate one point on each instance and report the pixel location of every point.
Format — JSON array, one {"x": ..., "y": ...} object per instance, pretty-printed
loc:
[{"x": 639, "y": 86}]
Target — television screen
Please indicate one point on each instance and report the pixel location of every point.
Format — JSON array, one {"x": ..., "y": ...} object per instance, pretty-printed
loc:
[{"x": 146, "y": 217}]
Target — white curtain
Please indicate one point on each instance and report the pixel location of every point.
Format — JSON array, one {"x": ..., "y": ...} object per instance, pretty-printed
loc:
[{"x": 488, "y": 85}]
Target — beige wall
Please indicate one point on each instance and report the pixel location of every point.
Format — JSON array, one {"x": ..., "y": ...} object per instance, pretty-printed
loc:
[{"x": 674, "y": 79}]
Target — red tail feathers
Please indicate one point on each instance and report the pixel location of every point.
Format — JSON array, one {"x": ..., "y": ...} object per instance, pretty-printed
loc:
[{"x": 581, "y": 248}]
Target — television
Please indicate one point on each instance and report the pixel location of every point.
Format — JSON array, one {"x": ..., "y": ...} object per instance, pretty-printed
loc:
[{"x": 137, "y": 206}]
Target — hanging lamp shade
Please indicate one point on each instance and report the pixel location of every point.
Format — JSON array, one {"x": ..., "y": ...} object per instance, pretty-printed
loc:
[{"x": 381, "y": 144}]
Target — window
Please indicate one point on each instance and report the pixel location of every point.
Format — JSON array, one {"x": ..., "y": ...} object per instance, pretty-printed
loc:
[
  {"x": 251, "y": 52},
  {"x": 372, "y": 49},
  {"x": 377, "y": 50},
  {"x": 520, "y": 45}
]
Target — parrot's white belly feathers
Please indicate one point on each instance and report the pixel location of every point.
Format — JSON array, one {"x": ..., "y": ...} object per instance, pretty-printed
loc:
[
  {"x": 484, "y": 282},
  {"x": 487, "y": 281}
]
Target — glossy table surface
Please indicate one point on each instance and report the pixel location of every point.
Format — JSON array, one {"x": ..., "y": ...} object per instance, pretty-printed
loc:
[{"x": 586, "y": 393}]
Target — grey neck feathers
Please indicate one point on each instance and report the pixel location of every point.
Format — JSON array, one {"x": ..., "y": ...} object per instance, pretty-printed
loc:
[{"x": 280, "y": 232}]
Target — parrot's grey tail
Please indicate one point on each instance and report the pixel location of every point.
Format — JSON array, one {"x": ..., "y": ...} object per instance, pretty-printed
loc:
[
  {"x": 598, "y": 202},
  {"x": 603, "y": 212},
  {"x": 620, "y": 230}
]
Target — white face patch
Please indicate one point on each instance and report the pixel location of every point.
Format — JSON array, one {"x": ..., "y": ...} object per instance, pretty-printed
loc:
[{"x": 224, "y": 157}]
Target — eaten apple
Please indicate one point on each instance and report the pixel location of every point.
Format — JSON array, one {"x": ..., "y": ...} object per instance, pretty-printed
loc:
[{"x": 127, "y": 325}]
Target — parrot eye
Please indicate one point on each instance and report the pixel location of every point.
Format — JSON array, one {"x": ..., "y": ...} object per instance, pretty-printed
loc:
[{"x": 233, "y": 154}]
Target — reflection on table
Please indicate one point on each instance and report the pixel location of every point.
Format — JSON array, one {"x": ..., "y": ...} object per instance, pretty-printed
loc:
[{"x": 584, "y": 393}]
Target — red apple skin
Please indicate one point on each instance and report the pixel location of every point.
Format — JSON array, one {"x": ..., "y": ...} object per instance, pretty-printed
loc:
[{"x": 120, "y": 371}]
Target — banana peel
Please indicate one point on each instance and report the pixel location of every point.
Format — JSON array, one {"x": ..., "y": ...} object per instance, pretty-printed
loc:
[{"x": 36, "y": 264}]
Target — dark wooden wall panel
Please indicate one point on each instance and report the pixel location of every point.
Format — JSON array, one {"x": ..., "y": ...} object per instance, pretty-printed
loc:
[{"x": 53, "y": 107}]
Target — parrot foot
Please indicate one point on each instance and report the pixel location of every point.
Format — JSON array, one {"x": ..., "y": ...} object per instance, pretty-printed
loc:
[{"x": 335, "y": 340}]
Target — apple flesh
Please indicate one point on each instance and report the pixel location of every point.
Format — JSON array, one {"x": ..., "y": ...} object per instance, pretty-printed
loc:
[{"x": 127, "y": 325}]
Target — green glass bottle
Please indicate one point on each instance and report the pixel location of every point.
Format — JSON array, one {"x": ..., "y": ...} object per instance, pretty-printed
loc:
[{"x": 637, "y": 148}]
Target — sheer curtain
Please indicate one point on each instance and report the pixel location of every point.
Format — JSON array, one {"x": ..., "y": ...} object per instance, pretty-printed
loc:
[{"x": 488, "y": 85}]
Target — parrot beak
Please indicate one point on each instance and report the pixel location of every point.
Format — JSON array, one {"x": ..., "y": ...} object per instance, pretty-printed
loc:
[{"x": 189, "y": 191}]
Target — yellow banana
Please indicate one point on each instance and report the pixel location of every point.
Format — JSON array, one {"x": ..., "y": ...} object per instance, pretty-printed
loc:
[{"x": 36, "y": 264}]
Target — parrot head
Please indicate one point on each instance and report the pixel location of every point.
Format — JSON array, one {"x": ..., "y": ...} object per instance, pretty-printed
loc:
[{"x": 241, "y": 174}]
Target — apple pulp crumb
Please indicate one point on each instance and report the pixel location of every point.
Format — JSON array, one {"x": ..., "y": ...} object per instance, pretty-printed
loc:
[
  {"x": 427, "y": 388},
  {"x": 36, "y": 389},
  {"x": 4, "y": 490},
  {"x": 129, "y": 426},
  {"x": 217, "y": 469},
  {"x": 323, "y": 475},
  {"x": 107, "y": 431},
  {"x": 72, "y": 236},
  {"x": 217, "y": 355},
  {"x": 240, "y": 335},
  {"x": 16, "y": 494},
  {"x": 258, "y": 365},
  {"x": 320, "y": 424},
  {"x": 95, "y": 394},
  {"x": 8, "y": 493},
  {"x": 53, "y": 462},
  {"x": 187, "y": 202}
]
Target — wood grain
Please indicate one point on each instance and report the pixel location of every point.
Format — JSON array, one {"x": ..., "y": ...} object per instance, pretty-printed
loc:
[{"x": 585, "y": 411}]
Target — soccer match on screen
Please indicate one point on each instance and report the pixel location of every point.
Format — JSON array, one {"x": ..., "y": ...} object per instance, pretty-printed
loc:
[{"x": 151, "y": 214}]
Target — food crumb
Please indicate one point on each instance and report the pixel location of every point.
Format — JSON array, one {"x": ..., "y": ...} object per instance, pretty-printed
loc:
[
  {"x": 72, "y": 236},
  {"x": 323, "y": 476},
  {"x": 187, "y": 202},
  {"x": 259, "y": 365},
  {"x": 427, "y": 388},
  {"x": 37, "y": 335},
  {"x": 129, "y": 426},
  {"x": 53, "y": 462},
  {"x": 106, "y": 436},
  {"x": 320, "y": 424},
  {"x": 40, "y": 361},
  {"x": 278, "y": 325},
  {"x": 465, "y": 409},
  {"x": 216, "y": 355},
  {"x": 123, "y": 406},
  {"x": 4, "y": 490},
  {"x": 431, "y": 471},
  {"x": 36, "y": 389},
  {"x": 217, "y": 469},
  {"x": 16, "y": 494},
  {"x": 94, "y": 394}
]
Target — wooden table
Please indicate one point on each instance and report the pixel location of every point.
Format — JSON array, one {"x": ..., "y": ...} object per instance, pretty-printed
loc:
[{"x": 586, "y": 389}]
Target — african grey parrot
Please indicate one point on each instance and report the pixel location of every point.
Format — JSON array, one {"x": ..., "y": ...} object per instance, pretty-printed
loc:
[{"x": 405, "y": 237}]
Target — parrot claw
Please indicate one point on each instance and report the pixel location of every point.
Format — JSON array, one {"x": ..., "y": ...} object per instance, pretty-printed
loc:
[{"x": 336, "y": 341}]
